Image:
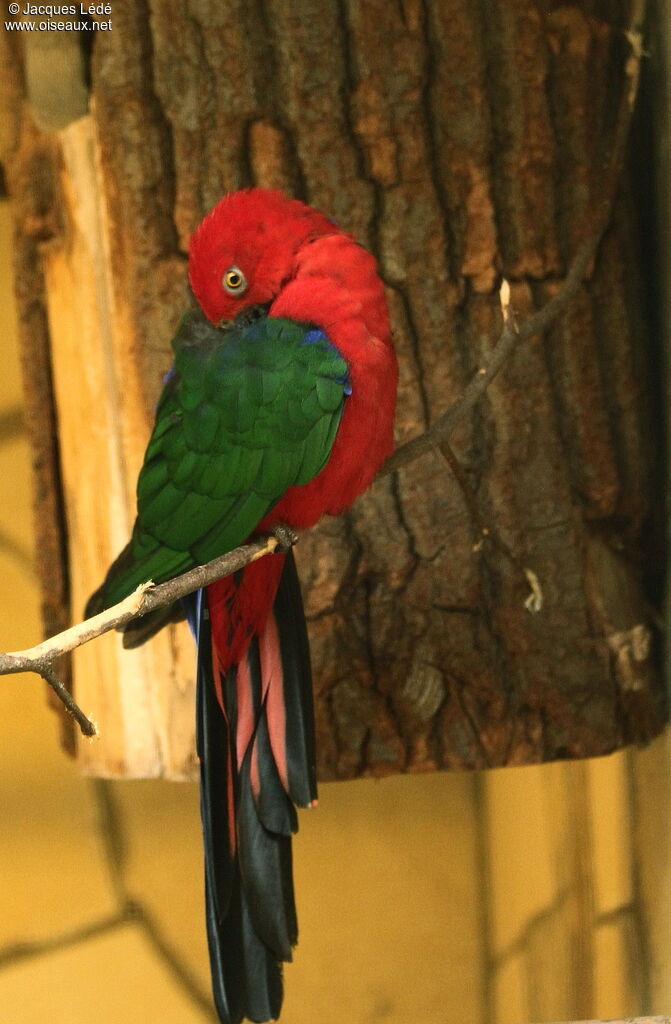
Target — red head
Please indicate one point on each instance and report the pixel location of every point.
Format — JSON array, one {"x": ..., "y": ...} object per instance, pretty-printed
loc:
[{"x": 243, "y": 251}]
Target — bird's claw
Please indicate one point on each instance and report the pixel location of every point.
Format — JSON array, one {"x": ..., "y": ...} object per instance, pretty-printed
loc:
[{"x": 285, "y": 537}]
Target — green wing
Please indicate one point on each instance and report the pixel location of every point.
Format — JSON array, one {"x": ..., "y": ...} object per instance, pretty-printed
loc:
[{"x": 247, "y": 411}]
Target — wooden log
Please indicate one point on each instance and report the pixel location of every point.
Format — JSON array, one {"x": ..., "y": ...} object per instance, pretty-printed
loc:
[
  {"x": 99, "y": 426},
  {"x": 458, "y": 146}
]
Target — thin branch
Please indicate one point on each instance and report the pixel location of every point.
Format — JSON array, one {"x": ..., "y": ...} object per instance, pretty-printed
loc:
[
  {"x": 511, "y": 335},
  {"x": 16, "y": 552},
  {"x": 111, "y": 829},
  {"x": 16, "y": 952},
  {"x": 131, "y": 913},
  {"x": 534, "y": 600},
  {"x": 48, "y": 673},
  {"x": 172, "y": 960},
  {"x": 147, "y": 598}
]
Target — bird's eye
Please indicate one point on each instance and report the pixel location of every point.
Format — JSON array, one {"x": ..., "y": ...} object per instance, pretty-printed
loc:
[{"x": 234, "y": 281}]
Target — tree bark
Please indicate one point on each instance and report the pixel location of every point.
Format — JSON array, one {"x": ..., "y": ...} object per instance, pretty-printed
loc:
[{"x": 459, "y": 142}]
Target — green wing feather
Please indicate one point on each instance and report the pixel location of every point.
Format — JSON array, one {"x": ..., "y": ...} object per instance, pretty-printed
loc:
[{"x": 248, "y": 411}]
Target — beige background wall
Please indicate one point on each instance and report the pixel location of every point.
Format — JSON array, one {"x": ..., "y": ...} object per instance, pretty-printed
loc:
[{"x": 521, "y": 895}]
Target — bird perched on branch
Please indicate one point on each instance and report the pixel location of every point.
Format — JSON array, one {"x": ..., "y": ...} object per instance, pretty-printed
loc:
[{"x": 278, "y": 410}]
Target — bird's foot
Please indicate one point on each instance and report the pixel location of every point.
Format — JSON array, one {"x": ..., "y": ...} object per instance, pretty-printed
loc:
[{"x": 285, "y": 536}]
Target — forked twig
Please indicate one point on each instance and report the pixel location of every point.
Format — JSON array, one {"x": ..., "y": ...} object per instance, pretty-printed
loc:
[{"x": 147, "y": 598}]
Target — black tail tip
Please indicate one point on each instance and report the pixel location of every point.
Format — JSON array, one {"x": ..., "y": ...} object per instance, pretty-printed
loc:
[{"x": 95, "y": 604}]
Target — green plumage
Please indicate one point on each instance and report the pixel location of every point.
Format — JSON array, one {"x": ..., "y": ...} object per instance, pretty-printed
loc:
[{"x": 249, "y": 410}]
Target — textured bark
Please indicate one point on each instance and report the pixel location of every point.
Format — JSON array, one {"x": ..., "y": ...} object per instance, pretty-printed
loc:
[{"x": 459, "y": 142}]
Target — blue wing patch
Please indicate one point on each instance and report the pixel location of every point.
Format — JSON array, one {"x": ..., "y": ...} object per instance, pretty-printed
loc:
[{"x": 315, "y": 336}]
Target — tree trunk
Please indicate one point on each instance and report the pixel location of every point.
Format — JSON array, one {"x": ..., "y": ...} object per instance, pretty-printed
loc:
[{"x": 459, "y": 142}]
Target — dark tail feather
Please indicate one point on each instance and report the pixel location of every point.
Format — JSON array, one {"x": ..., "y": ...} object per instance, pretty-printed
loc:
[
  {"x": 298, "y": 702},
  {"x": 248, "y": 816}
]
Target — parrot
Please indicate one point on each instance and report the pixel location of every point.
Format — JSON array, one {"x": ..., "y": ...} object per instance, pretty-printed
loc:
[{"x": 278, "y": 410}]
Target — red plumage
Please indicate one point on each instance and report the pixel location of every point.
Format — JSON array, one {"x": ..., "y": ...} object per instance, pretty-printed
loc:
[{"x": 312, "y": 272}]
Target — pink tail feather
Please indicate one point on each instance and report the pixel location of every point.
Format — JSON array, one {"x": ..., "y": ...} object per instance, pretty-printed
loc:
[{"x": 256, "y": 744}]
